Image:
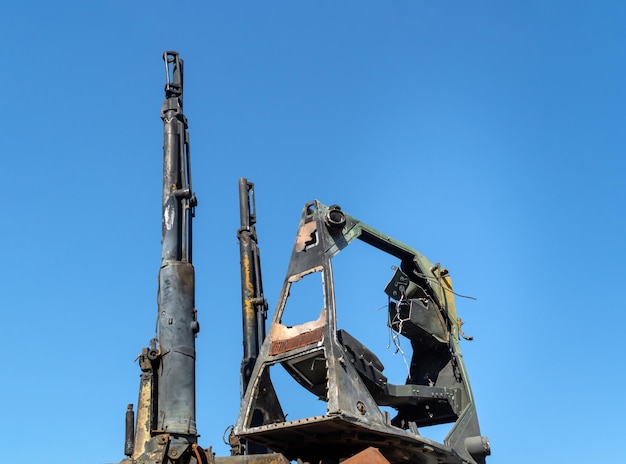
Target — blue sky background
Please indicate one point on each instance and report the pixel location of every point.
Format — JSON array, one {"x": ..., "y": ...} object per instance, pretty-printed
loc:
[{"x": 488, "y": 135}]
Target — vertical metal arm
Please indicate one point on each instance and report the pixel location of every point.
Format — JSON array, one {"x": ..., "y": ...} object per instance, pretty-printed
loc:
[
  {"x": 254, "y": 305},
  {"x": 178, "y": 325},
  {"x": 165, "y": 431}
]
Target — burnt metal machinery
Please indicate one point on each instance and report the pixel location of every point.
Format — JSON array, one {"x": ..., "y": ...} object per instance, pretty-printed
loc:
[
  {"x": 165, "y": 425},
  {"x": 333, "y": 366},
  {"x": 322, "y": 360}
]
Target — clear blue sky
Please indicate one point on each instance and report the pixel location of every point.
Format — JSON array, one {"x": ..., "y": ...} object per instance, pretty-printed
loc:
[{"x": 488, "y": 135}]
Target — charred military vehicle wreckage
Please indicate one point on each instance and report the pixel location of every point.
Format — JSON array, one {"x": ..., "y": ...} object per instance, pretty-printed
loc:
[{"x": 324, "y": 360}]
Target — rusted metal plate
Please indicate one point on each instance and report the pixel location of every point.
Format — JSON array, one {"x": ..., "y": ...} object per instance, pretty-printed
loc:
[
  {"x": 300, "y": 340},
  {"x": 369, "y": 456},
  {"x": 276, "y": 458}
]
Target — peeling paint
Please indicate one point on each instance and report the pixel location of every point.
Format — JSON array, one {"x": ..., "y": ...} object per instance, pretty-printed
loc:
[{"x": 168, "y": 216}]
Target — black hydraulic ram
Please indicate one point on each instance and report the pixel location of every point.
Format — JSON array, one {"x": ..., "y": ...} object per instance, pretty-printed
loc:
[
  {"x": 165, "y": 429},
  {"x": 178, "y": 324},
  {"x": 253, "y": 302},
  {"x": 254, "y": 305}
]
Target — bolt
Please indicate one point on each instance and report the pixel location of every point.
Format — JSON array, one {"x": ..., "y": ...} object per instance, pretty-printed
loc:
[{"x": 360, "y": 407}]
